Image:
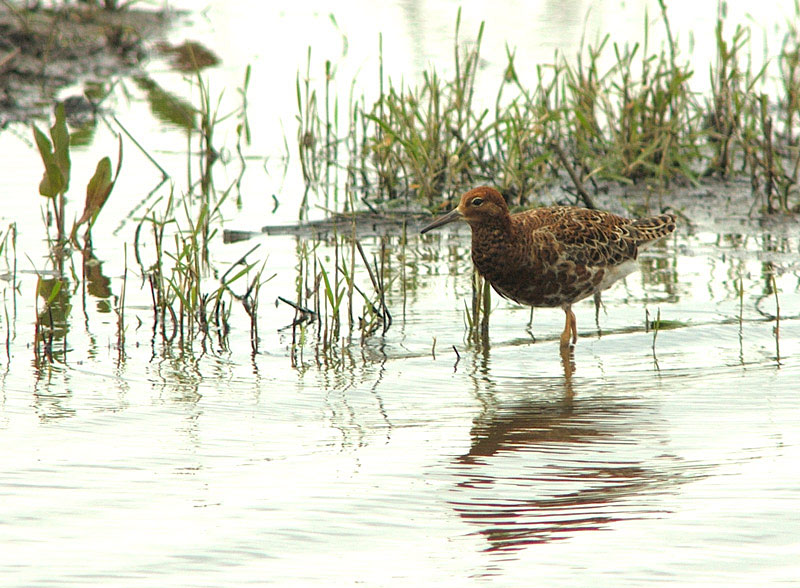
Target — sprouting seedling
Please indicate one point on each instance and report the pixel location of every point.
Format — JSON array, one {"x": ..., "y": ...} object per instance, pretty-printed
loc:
[{"x": 656, "y": 326}]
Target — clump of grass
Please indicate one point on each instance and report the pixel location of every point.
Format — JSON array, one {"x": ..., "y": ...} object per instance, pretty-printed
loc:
[
  {"x": 426, "y": 136},
  {"x": 191, "y": 301},
  {"x": 632, "y": 122},
  {"x": 184, "y": 306},
  {"x": 418, "y": 140},
  {"x": 332, "y": 305},
  {"x": 727, "y": 112}
]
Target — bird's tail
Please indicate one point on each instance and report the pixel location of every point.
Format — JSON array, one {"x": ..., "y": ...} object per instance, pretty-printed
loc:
[{"x": 654, "y": 227}]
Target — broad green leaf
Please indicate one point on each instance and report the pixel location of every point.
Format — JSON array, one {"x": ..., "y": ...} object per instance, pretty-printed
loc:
[
  {"x": 97, "y": 190},
  {"x": 52, "y": 181}
]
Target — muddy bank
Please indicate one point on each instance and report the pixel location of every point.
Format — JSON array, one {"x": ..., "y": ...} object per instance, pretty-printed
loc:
[{"x": 43, "y": 51}]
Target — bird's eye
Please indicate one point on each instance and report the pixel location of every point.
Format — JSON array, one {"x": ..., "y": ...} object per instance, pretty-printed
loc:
[{"x": 477, "y": 201}]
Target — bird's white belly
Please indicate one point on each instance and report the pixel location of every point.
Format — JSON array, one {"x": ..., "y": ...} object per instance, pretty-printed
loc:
[{"x": 617, "y": 272}]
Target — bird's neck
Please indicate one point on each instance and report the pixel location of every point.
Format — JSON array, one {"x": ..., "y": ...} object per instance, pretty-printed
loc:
[
  {"x": 490, "y": 244},
  {"x": 492, "y": 226}
]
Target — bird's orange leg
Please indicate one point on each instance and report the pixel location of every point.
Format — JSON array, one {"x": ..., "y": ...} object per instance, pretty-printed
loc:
[
  {"x": 573, "y": 325},
  {"x": 569, "y": 328}
]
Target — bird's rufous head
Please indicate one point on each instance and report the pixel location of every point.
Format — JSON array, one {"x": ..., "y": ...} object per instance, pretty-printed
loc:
[{"x": 478, "y": 206}]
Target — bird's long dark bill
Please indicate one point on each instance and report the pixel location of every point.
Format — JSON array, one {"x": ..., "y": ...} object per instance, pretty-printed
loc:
[{"x": 451, "y": 216}]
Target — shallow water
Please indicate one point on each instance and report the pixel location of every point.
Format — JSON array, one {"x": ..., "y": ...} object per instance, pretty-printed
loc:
[
  {"x": 416, "y": 457},
  {"x": 636, "y": 465}
]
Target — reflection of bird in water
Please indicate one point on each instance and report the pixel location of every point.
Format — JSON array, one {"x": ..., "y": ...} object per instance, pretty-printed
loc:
[
  {"x": 552, "y": 256},
  {"x": 544, "y": 469}
]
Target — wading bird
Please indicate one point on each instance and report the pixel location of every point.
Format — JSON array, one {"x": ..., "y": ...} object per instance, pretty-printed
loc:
[{"x": 552, "y": 257}]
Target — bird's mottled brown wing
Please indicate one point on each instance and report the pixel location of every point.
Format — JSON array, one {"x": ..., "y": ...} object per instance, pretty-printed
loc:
[{"x": 584, "y": 237}]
